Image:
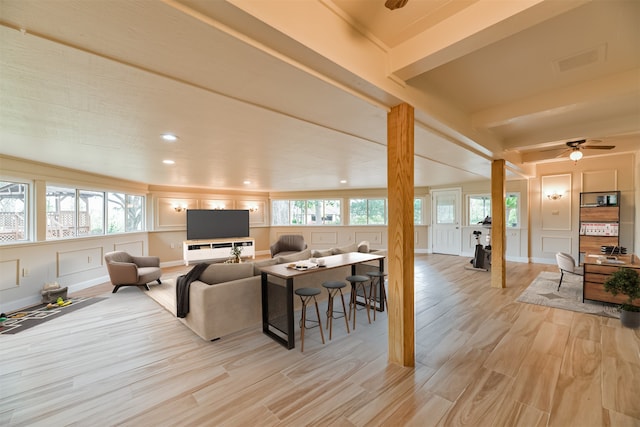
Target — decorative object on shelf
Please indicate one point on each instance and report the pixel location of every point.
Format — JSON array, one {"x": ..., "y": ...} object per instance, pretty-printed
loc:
[
  {"x": 236, "y": 251},
  {"x": 626, "y": 281}
]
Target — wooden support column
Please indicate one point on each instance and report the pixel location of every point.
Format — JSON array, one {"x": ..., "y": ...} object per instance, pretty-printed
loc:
[
  {"x": 498, "y": 225},
  {"x": 400, "y": 152}
]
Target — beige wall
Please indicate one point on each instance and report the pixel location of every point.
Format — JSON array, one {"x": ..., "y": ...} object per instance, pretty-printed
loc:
[{"x": 554, "y": 224}]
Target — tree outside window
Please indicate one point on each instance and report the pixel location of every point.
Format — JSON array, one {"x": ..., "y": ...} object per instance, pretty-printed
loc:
[{"x": 13, "y": 211}]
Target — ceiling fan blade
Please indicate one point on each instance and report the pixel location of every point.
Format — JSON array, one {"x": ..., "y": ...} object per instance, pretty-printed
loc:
[
  {"x": 564, "y": 153},
  {"x": 395, "y": 4},
  {"x": 599, "y": 147}
]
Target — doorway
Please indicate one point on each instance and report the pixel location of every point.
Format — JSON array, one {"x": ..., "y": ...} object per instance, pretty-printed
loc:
[{"x": 446, "y": 220}]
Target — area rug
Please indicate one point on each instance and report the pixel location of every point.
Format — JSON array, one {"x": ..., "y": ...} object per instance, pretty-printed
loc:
[
  {"x": 543, "y": 291},
  {"x": 25, "y": 319},
  {"x": 164, "y": 294}
]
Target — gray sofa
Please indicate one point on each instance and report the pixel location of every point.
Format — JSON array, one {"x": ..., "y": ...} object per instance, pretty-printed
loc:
[{"x": 227, "y": 297}]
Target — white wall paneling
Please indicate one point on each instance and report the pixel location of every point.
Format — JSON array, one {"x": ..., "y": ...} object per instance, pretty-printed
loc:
[
  {"x": 556, "y": 244},
  {"x": 168, "y": 217},
  {"x": 132, "y": 248},
  {"x": 70, "y": 262},
  {"x": 605, "y": 180},
  {"x": 373, "y": 237},
  {"x": 9, "y": 274},
  {"x": 323, "y": 238},
  {"x": 216, "y": 204},
  {"x": 556, "y": 202}
]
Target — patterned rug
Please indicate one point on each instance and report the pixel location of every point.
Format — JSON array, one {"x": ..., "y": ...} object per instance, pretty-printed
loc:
[
  {"x": 25, "y": 319},
  {"x": 543, "y": 291}
]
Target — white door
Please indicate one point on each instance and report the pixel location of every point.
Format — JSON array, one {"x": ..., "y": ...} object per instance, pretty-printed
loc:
[{"x": 446, "y": 231}]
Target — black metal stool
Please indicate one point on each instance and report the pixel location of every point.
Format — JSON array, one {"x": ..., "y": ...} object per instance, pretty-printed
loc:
[
  {"x": 334, "y": 288},
  {"x": 306, "y": 294},
  {"x": 358, "y": 281},
  {"x": 374, "y": 289}
]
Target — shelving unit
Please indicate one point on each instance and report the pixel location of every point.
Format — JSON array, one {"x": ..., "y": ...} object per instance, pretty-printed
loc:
[
  {"x": 207, "y": 250},
  {"x": 599, "y": 221}
]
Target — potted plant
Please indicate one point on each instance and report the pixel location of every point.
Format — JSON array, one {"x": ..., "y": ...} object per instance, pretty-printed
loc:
[
  {"x": 626, "y": 281},
  {"x": 236, "y": 251}
]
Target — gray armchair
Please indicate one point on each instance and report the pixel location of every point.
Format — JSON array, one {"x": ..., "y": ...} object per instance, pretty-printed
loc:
[
  {"x": 129, "y": 270},
  {"x": 288, "y": 244}
]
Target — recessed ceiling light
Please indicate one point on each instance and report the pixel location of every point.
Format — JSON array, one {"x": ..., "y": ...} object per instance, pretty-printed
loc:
[
  {"x": 247, "y": 182},
  {"x": 168, "y": 162},
  {"x": 343, "y": 181},
  {"x": 169, "y": 137}
]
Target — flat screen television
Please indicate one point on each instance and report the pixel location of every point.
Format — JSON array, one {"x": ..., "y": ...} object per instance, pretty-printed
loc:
[{"x": 205, "y": 224}]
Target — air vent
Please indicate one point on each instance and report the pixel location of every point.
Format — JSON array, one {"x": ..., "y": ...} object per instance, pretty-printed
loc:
[{"x": 582, "y": 59}]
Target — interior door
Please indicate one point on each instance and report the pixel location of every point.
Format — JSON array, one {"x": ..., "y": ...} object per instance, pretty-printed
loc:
[{"x": 446, "y": 230}]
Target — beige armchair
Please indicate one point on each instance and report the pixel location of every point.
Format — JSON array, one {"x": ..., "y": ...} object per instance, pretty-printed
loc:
[
  {"x": 128, "y": 270},
  {"x": 567, "y": 264},
  {"x": 287, "y": 244}
]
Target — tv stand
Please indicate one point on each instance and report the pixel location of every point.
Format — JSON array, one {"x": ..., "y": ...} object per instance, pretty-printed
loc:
[{"x": 209, "y": 250}]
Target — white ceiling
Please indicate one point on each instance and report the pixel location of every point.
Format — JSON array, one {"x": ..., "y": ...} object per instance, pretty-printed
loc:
[{"x": 260, "y": 93}]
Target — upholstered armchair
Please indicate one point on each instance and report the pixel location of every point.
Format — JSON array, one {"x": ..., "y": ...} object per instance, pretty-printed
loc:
[
  {"x": 287, "y": 244},
  {"x": 567, "y": 264},
  {"x": 129, "y": 270}
]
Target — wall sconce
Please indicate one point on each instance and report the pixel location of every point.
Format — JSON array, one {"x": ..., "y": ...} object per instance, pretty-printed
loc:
[
  {"x": 253, "y": 209},
  {"x": 218, "y": 207},
  {"x": 554, "y": 196},
  {"x": 179, "y": 208}
]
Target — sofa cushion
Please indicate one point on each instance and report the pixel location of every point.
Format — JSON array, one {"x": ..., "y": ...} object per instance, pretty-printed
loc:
[
  {"x": 320, "y": 253},
  {"x": 345, "y": 249},
  {"x": 298, "y": 256},
  {"x": 257, "y": 265},
  {"x": 364, "y": 247},
  {"x": 219, "y": 273}
]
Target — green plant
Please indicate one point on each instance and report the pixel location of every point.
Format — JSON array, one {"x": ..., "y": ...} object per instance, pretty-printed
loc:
[
  {"x": 625, "y": 281},
  {"x": 236, "y": 251}
]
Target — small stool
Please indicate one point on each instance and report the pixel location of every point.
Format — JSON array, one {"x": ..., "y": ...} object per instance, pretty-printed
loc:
[
  {"x": 306, "y": 294},
  {"x": 383, "y": 293},
  {"x": 357, "y": 281},
  {"x": 334, "y": 288}
]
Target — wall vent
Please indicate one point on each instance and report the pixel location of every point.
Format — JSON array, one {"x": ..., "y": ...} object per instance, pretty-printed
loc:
[{"x": 581, "y": 59}]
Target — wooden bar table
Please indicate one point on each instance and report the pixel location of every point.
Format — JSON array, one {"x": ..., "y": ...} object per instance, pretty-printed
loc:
[{"x": 277, "y": 300}]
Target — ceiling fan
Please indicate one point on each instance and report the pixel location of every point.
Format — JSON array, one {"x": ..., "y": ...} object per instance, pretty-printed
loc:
[
  {"x": 395, "y": 4},
  {"x": 574, "y": 148}
]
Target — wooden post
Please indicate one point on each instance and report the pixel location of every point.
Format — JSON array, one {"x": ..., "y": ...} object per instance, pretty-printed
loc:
[
  {"x": 498, "y": 225},
  {"x": 400, "y": 154}
]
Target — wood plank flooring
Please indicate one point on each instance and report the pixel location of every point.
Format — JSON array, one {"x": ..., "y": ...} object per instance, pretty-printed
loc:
[{"x": 482, "y": 359}]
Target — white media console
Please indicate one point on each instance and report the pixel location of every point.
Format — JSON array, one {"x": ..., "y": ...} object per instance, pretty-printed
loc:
[{"x": 206, "y": 250}]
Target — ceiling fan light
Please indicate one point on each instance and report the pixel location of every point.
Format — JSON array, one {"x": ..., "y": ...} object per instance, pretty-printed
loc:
[{"x": 575, "y": 155}]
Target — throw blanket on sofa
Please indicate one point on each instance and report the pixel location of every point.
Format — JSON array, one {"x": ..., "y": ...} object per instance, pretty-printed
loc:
[{"x": 182, "y": 288}]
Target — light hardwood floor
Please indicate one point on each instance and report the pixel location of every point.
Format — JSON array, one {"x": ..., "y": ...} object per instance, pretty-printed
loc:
[{"x": 482, "y": 359}]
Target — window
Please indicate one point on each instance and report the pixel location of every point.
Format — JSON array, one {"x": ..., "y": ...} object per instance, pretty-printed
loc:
[
  {"x": 14, "y": 198},
  {"x": 417, "y": 211},
  {"x": 306, "y": 212},
  {"x": 61, "y": 212},
  {"x": 480, "y": 208},
  {"x": 367, "y": 211},
  {"x": 125, "y": 213},
  {"x": 75, "y": 213}
]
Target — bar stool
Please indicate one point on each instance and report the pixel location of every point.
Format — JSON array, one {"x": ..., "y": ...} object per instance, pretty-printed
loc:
[
  {"x": 334, "y": 288},
  {"x": 379, "y": 275},
  {"x": 358, "y": 281},
  {"x": 306, "y": 294}
]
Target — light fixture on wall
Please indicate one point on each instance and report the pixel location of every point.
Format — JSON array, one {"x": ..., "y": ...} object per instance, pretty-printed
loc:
[
  {"x": 179, "y": 208},
  {"x": 554, "y": 196},
  {"x": 253, "y": 208}
]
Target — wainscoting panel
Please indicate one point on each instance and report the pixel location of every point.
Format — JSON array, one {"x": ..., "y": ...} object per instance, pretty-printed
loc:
[
  {"x": 132, "y": 248},
  {"x": 168, "y": 216},
  {"x": 77, "y": 261},
  {"x": 556, "y": 202},
  {"x": 556, "y": 244},
  {"x": 373, "y": 237},
  {"x": 600, "y": 180},
  {"x": 216, "y": 204},
  {"x": 9, "y": 274},
  {"x": 324, "y": 238},
  {"x": 257, "y": 211}
]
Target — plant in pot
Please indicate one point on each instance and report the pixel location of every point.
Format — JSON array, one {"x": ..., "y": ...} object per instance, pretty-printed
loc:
[{"x": 626, "y": 281}]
